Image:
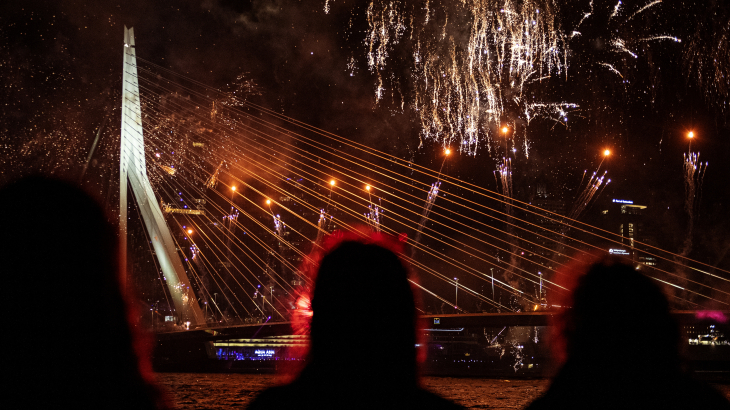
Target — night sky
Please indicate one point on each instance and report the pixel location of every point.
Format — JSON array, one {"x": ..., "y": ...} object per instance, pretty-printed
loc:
[{"x": 62, "y": 60}]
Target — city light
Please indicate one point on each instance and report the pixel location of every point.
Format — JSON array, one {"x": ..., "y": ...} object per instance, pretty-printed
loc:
[
  {"x": 505, "y": 130},
  {"x": 367, "y": 187},
  {"x": 190, "y": 231},
  {"x": 691, "y": 134},
  {"x": 606, "y": 153},
  {"x": 268, "y": 202},
  {"x": 332, "y": 182},
  {"x": 447, "y": 151},
  {"x": 233, "y": 188}
]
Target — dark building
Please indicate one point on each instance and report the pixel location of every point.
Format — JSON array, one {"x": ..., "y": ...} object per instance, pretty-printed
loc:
[
  {"x": 551, "y": 222},
  {"x": 631, "y": 221}
]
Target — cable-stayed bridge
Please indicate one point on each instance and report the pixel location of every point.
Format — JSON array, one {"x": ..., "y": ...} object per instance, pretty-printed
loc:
[{"x": 235, "y": 197}]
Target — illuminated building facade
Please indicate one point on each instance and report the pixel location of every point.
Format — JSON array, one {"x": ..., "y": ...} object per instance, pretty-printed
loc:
[{"x": 630, "y": 220}]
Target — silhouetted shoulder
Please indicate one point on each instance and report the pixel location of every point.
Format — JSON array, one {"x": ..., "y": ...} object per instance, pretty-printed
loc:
[{"x": 295, "y": 396}]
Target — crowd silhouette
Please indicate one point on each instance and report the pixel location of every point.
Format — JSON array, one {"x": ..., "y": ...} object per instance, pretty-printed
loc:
[
  {"x": 619, "y": 345},
  {"x": 69, "y": 340}
]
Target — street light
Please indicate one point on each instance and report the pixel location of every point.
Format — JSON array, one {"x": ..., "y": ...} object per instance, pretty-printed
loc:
[
  {"x": 152, "y": 311},
  {"x": 456, "y": 295},
  {"x": 370, "y": 198},
  {"x": 273, "y": 301},
  {"x": 447, "y": 152},
  {"x": 505, "y": 130},
  {"x": 233, "y": 191},
  {"x": 215, "y": 302},
  {"x": 606, "y": 153},
  {"x": 690, "y": 135}
]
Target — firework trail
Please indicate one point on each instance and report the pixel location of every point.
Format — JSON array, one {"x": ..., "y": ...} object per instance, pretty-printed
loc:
[
  {"x": 231, "y": 219},
  {"x": 505, "y": 178},
  {"x": 585, "y": 171},
  {"x": 321, "y": 226},
  {"x": 707, "y": 55},
  {"x": 325, "y": 221},
  {"x": 587, "y": 194},
  {"x": 694, "y": 173},
  {"x": 373, "y": 216},
  {"x": 517, "y": 352},
  {"x": 504, "y": 169},
  {"x": 214, "y": 110},
  {"x": 279, "y": 229},
  {"x": 430, "y": 200},
  {"x": 212, "y": 182},
  {"x": 169, "y": 170},
  {"x": 279, "y": 226},
  {"x": 592, "y": 189},
  {"x": 620, "y": 46},
  {"x": 202, "y": 269}
]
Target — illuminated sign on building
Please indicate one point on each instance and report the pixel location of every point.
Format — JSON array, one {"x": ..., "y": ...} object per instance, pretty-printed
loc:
[
  {"x": 622, "y": 201},
  {"x": 618, "y": 252},
  {"x": 264, "y": 353}
]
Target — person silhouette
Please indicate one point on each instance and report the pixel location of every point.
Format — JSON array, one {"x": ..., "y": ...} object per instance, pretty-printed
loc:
[
  {"x": 362, "y": 334},
  {"x": 67, "y": 342},
  {"x": 620, "y": 345}
]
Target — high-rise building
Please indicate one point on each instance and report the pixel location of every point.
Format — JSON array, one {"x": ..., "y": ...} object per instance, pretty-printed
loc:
[
  {"x": 629, "y": 220},
  {"x": 551, "y": 222}
]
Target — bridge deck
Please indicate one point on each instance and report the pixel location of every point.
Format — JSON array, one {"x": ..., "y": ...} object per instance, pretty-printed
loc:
[{"x": 468, "y": 320}]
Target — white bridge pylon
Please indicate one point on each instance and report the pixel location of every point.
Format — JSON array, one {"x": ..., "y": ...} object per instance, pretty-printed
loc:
[{"x": 133, "y": 171}]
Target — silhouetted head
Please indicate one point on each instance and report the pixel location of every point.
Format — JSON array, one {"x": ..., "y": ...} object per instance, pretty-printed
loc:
[
  {"x": 363, "y": 311},
  {"x": 615, "y": 316},
  {"x": 67, "y": 339}
]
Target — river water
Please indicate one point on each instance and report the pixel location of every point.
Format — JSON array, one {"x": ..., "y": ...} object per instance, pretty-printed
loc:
[{"x": 226, "y": 391}]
